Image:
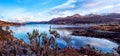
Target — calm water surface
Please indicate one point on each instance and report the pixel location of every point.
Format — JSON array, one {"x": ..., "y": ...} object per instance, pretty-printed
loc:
[{"x": 77, "y": 41}]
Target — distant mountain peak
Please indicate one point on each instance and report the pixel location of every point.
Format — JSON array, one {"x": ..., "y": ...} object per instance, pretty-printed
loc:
[
  {"x": 90, "y": 18},
  {"x": 91, "y": 15},
  {"x": 77, "y": 15}
]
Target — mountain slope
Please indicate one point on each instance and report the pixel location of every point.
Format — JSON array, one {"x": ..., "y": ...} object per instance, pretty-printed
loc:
[
  {"x": 92, "y": 18},
  {"x": 3, "y": 23}
]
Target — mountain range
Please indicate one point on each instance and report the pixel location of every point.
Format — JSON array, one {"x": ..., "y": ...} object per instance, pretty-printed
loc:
[
  {"x": 76, "y": 19},
  {"x": 91, "y": 18}
]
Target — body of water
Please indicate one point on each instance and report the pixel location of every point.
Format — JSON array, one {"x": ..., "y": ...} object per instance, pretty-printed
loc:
[{"x": 77, "y": 41}]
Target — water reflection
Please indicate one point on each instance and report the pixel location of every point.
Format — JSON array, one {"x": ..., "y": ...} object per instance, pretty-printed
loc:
[
  {"x": 77, "y": 41},
  {"x": 102, "y": 44}
]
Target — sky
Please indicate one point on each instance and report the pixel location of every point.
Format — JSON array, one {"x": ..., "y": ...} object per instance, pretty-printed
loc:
[{"x": 45, "y": 10}]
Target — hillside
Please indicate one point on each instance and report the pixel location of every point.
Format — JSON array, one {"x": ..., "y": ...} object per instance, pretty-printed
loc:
[
  {"x": 3, "y": 23},
  {"x": 91, "y": 18}
]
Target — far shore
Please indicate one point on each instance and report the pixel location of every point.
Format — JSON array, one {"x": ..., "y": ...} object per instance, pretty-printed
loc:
[
  {"x": 96, "y": 32},
  {"x": 9, "y": 24}
]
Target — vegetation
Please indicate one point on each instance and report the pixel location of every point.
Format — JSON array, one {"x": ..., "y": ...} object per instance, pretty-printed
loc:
[
  {"x": 48, "y": 45},
  {"x": 109, "y": 27},
  {"x": 6, "y": 34},
  {"x": 41, "y": 45},
  {"x": 117, "y": 49}
]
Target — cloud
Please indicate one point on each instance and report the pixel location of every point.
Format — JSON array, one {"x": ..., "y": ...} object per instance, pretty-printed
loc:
[
  {"x": 86, "y": 7},
  {"x": 63, "y": 9},
  {"x": 2, "y": 18},
  {"x": 19, "y": 15},
  {"x": 46, "y": 2},
  {"x": 65, "y": 5},
  {"x": 70, "y": 7},
  {"x": 102, "y": 6}
]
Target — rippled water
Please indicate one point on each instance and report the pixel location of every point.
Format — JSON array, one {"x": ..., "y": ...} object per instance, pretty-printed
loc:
[{"x": 77, "y": 41}]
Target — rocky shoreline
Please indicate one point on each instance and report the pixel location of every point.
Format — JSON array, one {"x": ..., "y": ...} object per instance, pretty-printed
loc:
[{"x": 94, "y": 32}]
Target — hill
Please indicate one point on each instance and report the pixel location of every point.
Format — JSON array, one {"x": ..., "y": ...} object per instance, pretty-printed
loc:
[
  {"x": 3, "y": 23},
  {"x": 91, "y": 18}
]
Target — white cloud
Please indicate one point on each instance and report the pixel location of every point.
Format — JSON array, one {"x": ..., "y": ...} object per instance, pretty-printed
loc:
[
  {"x": 46, "y": 2},
  {"x": 65, "y": 5},
  {"x": 93, "y": 6},
  {"x": 13, "y": 13},
  {"x": 57, "y": 11},
  {"x": 68, "y": 8},
  {"x": 2, "y": 18},
  {"x": 102, "y": 6},
  {"x": 19, "y": 15}
]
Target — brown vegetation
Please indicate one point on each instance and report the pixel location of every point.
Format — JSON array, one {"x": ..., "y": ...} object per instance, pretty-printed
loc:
[
  {"x": 114, "y": 28},
  {"x": 6, "y": 34},
  {"x": 3, "y": 23},
  {"x": 48, "y": 47}
]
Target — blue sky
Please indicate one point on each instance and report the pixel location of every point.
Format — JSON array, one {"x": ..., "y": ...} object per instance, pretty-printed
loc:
[{"x": 44, "y": 10}]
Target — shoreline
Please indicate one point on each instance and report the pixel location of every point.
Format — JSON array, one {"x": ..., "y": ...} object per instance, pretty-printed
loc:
[
  {"x": 91, "y": 32},
  {"x": 18, "y": 47}
]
